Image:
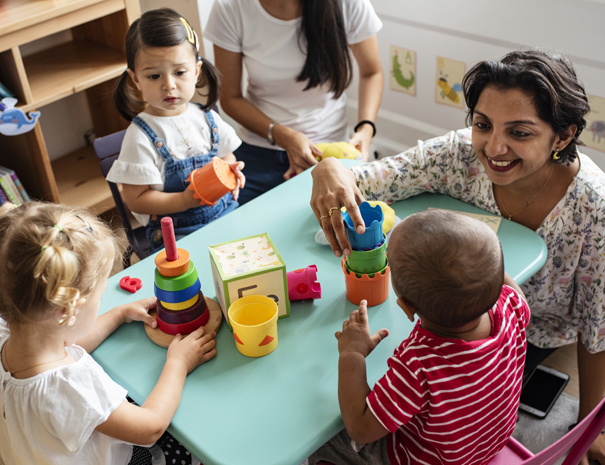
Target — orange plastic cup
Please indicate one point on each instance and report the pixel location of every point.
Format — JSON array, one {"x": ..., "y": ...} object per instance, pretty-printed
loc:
[
  {"x": 210, "y": 182},
  {"x": 375, "y": 290}
]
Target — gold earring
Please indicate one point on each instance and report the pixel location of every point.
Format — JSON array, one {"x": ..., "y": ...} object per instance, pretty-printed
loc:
[{"x": 555, "y": 156}]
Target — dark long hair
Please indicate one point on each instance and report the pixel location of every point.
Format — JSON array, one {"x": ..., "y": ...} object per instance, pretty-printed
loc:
[
  {"x": 161, "y": 28},
  {"x": 328, "y": 58},
  {"x": 548, "y": 77}
]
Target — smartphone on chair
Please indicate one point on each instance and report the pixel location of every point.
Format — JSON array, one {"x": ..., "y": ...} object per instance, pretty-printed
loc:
[{"x": 542, "y": 390}]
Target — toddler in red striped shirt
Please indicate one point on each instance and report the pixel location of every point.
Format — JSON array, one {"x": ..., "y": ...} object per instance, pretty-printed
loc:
[{"x": 452, "y": 389}]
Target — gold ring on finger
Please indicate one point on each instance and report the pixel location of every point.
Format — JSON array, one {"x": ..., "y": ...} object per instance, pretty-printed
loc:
[{"x": 333, "y": 208}]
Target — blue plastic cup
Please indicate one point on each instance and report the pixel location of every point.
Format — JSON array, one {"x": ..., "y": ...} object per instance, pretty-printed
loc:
[{"x": 373, "y": 218}]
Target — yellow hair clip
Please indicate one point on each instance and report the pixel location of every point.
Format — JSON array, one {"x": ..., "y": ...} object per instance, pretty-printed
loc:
[{"x": 190, "y": 33}]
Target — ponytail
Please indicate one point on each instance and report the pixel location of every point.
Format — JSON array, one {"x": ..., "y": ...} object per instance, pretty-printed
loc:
[
  {"x": 123, "y": 96},
  {"x": 209, "y": 77},
  {"x": 328, "y": 58}
]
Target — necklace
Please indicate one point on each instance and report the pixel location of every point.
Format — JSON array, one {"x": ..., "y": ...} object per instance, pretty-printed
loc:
[
  {"x": 526, "y": 204},
  {"x": 12, "y": 372}
]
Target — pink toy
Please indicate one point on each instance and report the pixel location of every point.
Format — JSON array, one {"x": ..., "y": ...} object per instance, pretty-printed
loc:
[
  {"x": 169, "y": 239},
  {"x": 130, "y": 284},
  {"x": 302, "y": 284}
]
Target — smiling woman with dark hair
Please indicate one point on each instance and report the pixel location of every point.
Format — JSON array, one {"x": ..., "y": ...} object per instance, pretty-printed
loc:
[{"x": 519, "y": 160}]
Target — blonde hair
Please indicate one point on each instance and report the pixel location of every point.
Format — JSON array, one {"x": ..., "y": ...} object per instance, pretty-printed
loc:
[{"x": 50, "y": 256}]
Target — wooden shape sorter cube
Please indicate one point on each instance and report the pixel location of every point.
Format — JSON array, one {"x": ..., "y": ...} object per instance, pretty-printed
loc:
[{"x": 249, "y": 266}]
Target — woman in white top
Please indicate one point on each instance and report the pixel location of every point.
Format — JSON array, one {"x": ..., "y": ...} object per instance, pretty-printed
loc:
[
  {"x": 520, "y": 160},
  {"x": 296, "y": 56}
]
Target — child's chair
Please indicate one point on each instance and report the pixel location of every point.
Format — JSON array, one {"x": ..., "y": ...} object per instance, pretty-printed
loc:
[
  {"x": 107, "y": 149},
  {"x": 579, "y": 440}
]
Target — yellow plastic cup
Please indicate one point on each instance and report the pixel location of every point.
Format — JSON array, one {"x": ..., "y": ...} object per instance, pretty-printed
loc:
[{"x": 254, "y": 322}]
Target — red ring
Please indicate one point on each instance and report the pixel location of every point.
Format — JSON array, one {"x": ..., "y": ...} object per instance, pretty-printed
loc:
[{"x": 184, "y": 328}]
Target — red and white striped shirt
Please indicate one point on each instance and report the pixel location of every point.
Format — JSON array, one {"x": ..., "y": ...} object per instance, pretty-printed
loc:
[{"x": 448, "y": 401}]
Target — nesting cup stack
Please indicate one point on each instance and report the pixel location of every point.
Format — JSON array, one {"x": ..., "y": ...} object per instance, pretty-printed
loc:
[
  {"x": 367, "y": 269},
  {"x": 181, "y": 306}
]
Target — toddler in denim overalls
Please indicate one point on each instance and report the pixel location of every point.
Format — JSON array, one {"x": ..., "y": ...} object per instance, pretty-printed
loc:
[{"x": 172, "y": 137}]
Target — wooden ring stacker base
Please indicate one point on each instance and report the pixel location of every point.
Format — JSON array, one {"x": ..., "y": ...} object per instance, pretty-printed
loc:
[{"x": 163, "y": 340}]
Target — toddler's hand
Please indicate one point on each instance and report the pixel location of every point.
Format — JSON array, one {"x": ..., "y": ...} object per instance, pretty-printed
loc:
[
  {"x": 237, "y": 168},
  {"x": 192, "y": 350},
  {"x": 355, "y": 334},
  {"x": 139, "y": 311}
]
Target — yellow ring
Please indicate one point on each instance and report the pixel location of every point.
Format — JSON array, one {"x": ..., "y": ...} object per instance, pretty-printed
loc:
[
  {"x": 181, "y": 305},
  {"x": 333, "y": 208},
  {"x": 322, "y": 217}
]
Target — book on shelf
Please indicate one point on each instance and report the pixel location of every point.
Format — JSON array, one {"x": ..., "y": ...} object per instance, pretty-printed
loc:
[
  {"x": 3, "y": 197},
  {"x": 8, "y": 190},
  {"x": 4, "y": 92},
  {"x": 22, "y": 193}
]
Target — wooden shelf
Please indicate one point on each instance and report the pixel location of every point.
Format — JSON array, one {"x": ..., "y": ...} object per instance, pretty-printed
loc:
[
  {"x": 81, "y": 182},
  {"x": 69, "y": 68}
]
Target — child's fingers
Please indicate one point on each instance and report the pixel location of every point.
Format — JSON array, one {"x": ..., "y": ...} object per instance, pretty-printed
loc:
[
  {"x": 379, "y": 336},
  {"x": 363, "y": 311},
  {"x": 150, "y": 321},
  {"x": 197, "y": 334},
  {"x": 337, "y": 335}
]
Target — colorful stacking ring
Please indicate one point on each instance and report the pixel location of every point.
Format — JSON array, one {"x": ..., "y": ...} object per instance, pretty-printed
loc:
[
  {"x": 182, "y": 316},
  {"x": 172, "y": 268},
  {"x": 177, "y": 283},
  {"x": 181, "y": 305},
  {"x": 184, "y": 328},
  {"x": 173, "y": 297}
]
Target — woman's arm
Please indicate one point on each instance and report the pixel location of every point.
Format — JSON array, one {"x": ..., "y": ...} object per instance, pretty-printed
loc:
[
  {"x": 371, "y": 82},
  {"x": 298, "y": 146},
  {"x": 145, "y": 200}
]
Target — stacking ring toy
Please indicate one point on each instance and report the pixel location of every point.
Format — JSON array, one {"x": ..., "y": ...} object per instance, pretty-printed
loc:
[
  {"x": 175, "y": 267},
  {"x": 182, "y": 316},
  {"x": 180, "y": 305},
  {"x": 184, "y": 328},
  {"x": 177, "y": 283},
  {"x": 174, "y": 297}
]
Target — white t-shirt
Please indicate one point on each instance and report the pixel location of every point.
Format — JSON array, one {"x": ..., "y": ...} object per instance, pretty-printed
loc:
[
  {"x": 185, "y": 135},
  {"x": 51, "y": 418},
  {"x": 274, "y": 56}
]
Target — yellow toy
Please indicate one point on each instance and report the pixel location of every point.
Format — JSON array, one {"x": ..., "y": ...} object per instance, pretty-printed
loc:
[
  {"x": 338, "y": 150},
  {"x": 388, "y": 212}
]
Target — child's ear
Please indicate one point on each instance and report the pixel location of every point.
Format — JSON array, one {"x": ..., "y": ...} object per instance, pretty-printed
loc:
[
  {"x": 407, "y": 308},
  {"x": 198, "y": 66},
  {"x": 134, "y": 78}
]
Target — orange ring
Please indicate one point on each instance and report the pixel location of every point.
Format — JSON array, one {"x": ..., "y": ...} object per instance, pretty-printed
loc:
[{"x": 174, "y": 268}]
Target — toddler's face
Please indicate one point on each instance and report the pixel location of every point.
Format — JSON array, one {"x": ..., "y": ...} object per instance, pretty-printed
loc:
[{"x": 166, "y": 76}]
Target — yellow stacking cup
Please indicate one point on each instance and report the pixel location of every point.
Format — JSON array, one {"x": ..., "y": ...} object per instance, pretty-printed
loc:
[{"x": 254, "y": 322}]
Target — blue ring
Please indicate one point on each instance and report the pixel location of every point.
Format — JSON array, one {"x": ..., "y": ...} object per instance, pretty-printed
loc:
[{"x": 174, "y": 297}]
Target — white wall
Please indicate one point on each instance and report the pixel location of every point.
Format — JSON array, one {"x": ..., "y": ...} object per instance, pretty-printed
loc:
[{"x": 471, "y": 31}]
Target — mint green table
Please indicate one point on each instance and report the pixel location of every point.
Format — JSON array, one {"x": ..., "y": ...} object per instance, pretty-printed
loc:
[{"x": 277, "y": 409}]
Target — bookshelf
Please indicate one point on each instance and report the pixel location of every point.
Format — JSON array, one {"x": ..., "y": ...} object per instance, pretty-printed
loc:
[{"x": 91, "y": 62}]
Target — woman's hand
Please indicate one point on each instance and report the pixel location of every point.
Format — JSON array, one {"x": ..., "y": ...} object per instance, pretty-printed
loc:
[
  {"x": 361, "y": 140},
  {"x": 301, "y": 151},
  {"x": 192, "y": 350},
  {"x": 237, "y": 168},
  {"x": 334, "y": 186},
  {"x": 139, "y": 311}
]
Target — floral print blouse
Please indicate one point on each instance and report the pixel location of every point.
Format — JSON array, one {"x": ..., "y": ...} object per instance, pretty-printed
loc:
[{"x": 566, "y": 295}]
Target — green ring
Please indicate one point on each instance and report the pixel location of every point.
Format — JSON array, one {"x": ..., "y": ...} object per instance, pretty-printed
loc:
[{"x": 177, "y": 283}]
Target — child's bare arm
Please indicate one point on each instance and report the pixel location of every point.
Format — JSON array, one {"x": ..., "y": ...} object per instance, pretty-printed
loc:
[
  {"x": 110, "y": 321},
  {"x": 145, "y": 424},
  {"x": 143, "y": 199},
  {"x": 511, "y": 282},
  {"x": 354, "y": 345}
]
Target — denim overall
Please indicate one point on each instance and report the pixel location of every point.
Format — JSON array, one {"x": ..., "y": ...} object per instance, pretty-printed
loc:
[{"x": 175, "y": 180}]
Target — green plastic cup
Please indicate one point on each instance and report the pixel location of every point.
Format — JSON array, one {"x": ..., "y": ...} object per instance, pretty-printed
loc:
[
  {"x": 368, "y": 261},
  {"x": 370, "y": 275}
]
